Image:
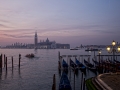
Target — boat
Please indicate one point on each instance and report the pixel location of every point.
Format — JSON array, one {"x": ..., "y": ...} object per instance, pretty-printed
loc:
[
  {"x": 103, "y": 61},
  {"x": 89, "y": 65},
  {"x": 64, "y": 82},
  {"x": 74, "y": 49},
  {"x": 92, "y": 49},
  {"x": 73, "y": 65},
  {"x": 64, "y": 65},
  {"x": 112, "y": 62},
  {"x": 117, "y": 61},
  {"x": 96, "y": 62},
  {"x": 80, "y": 65},
  {"x": 30, "y": 55}
]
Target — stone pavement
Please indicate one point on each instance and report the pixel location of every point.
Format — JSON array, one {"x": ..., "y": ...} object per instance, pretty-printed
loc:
[{"x": 107, "y": 81}]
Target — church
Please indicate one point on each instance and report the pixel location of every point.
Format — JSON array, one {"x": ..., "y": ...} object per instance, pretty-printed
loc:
[{"x": 48, "y": 44}]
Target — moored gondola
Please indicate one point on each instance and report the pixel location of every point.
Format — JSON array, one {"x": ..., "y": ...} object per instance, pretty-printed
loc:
[
  {"x": 64, "y": 82},
  {"x": 80, "y": 65},
  {"x": 73, "y": 66},
  {"x": 96, "y": 63},
  {"x": 89, "y": 65},
  {"x": 64, "y": 65},
  {"x": 116, "y": 61}
]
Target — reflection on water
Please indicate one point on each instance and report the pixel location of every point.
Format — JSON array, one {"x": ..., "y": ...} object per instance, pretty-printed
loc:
[{"x": 37, "y": 73}]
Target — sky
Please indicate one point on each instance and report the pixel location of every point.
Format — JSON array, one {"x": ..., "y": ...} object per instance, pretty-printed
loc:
[{"x": 66, "y": 21}]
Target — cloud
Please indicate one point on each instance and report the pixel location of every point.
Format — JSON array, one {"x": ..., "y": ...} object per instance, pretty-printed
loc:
[
  {"x": 1, "y": 25},
  {"x": 5, "y": 26},
  {"x": 67, "y": 30},
  {"x": 14, "y": 36},
  {"x": 19, "y": 33},
  {"x": 4, "y": 21}
]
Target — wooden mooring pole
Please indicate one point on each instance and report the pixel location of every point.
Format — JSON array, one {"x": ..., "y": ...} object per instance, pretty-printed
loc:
[
  {"x": 1, "y": 62},
  {"x": 81, "y": 82},
  {"x": 6, "y": 63},
  {"x": 12, "y": 62},
  {"x": 54, "y": 83},
  {"x": 19, "y": 59},
  {"x": 4, "y": 60},
  {"x": 74, "y": 79}
]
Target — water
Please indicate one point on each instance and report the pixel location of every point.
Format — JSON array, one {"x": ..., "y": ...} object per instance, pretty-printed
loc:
[{"x": 37, "y": 73}]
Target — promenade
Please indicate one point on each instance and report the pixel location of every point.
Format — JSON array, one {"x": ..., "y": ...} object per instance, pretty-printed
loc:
[{"x": 107, "y": 81}]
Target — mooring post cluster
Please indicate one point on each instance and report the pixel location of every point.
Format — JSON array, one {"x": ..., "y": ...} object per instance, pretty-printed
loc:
[{"x": 6, "y": 60}]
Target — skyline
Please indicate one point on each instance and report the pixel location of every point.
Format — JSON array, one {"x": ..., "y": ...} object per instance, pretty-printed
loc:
[{"x": 74, "y": 22}]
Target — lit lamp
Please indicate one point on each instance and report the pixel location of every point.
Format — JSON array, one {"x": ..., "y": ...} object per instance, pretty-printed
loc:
[
  {"x": 113, "y": 43},
  {"x": 108, "y": 48},
  {"x": 119, "y": 49},
  {"x": 114, "y": 49}
]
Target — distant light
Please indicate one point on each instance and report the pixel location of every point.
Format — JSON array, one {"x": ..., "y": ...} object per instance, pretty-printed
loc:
[
  {"x": 99, "y": 52},
  {"x": 89, "y": 51}
]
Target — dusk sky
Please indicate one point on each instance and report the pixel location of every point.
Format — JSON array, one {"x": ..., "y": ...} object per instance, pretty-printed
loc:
[{"x": 66, "y": 21}]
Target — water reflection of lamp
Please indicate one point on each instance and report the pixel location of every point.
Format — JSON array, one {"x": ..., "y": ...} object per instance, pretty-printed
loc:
[{"x": 114, "y": 49}]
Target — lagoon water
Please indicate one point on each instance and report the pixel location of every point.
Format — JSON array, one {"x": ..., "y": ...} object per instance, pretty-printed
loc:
[{"x": 37, "y": 73}]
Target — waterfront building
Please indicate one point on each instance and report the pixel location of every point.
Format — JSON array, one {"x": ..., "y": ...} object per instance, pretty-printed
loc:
[
  {"x": 49, "y": 44},
  {"x": 36, "y": 40},
  {"x": 43, "y": 44}
]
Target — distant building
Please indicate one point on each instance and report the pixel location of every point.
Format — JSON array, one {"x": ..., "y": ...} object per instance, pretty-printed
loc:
[
  {"x": 43, "y": 44},
  {"x": 36, "y": 40},
  {"x": 62, "y": 46},
  {"x": 49, "y": 44}
]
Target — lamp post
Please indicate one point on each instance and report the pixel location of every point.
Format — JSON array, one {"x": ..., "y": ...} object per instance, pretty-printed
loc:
[
  {"x": 99, "y": 68},
  {"x": 99, "y": 57},
  {"x": 114, "y": 49}
]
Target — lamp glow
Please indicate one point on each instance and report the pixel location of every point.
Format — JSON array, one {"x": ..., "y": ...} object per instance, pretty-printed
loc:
[
  {"x": 99, "y": 52},
  {"x": 113, "y": 43},
  {"x": 108, "y": 48},
  {"x": 119, "y": 49},
  {"x": 113, "y": 49}
]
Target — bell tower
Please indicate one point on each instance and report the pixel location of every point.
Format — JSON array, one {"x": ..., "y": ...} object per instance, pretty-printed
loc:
[{"x": 36, "y": 39}]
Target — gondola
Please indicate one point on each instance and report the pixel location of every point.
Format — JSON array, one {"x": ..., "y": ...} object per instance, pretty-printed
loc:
[
  {"x": 117, "y": 61},
  {"x": 91, "y": 49},
  {"x": 30, "y": 55},
  {"x": 64, "y": 65},
  {"x": 64, "y": 82},
  {"x": 73, "y": 65},
  {"x": 80, "y": 65},
  {"x": 89, "y": 65},
  {"x": 111, "y": 62},
  {"x": 96, "y": 62},
  {"x": 102, "y": 61}
]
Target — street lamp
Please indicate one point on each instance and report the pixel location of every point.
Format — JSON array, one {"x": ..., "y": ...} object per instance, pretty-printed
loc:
[
  {"x": 114, "y": 49},
  {"x": 99, "y": 52},
  {"x": 99, "y": 57}
]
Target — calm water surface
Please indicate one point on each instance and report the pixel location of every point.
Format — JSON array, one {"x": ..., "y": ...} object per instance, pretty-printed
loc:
[{"x": 37, "y": 73}]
